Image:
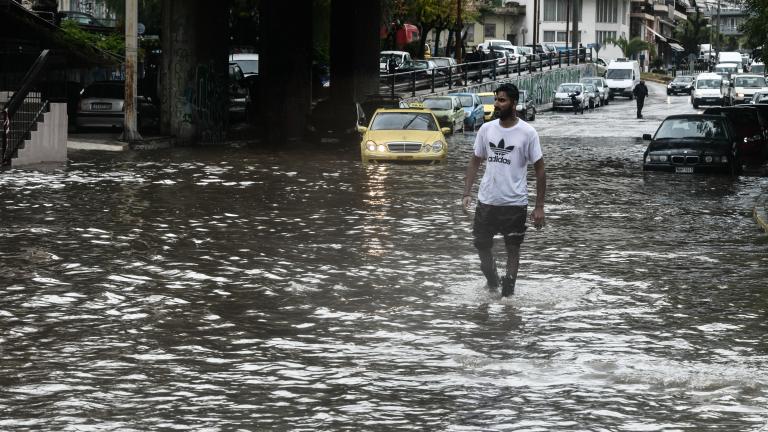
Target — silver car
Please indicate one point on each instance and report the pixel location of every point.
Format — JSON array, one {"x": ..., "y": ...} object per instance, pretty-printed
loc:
[
  {"x": 602, "y": 88},
  {"x": 102, "y": 106}
]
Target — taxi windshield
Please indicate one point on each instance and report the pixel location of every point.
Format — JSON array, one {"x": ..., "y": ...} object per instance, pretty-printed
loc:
[{"x": 404, "y": 121}]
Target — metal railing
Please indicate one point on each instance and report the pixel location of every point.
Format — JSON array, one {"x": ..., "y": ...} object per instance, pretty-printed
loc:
[
  {"x": 21, "y": 113},
  {"x": 476, "y": 72}
]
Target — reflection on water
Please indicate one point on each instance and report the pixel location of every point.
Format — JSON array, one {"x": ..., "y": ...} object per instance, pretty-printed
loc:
[{"x": 232, "y": 290}]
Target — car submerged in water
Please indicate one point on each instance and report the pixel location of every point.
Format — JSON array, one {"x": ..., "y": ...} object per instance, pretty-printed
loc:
[
  {"x": 691, "y": 144},
  {"x": 406, "y": 135}
]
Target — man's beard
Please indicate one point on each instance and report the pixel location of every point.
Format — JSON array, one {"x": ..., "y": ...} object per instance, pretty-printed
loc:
[{"x": 508, "y": 114}]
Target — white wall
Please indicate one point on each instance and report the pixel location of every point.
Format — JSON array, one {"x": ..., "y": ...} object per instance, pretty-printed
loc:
[{"x": 48, "y": 143}]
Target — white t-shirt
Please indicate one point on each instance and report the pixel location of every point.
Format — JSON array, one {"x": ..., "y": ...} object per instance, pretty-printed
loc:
[{"x": 507, "y": 152}]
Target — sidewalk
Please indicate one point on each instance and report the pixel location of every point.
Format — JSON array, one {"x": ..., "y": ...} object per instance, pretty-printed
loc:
[{"x": 110, "y": 141}]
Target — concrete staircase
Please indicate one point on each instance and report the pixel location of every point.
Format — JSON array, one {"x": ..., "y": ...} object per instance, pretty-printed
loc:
[{"x": 47, "y": 141}]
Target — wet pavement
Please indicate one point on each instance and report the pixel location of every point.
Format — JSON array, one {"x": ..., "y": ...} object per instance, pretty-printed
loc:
[{"x": 232, "y": 289}]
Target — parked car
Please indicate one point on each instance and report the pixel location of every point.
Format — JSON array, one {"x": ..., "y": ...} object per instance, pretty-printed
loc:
[
  {"x": 488, "y": 99},
  {"x": 448, "y": 111},
  {"x": 681, "y": 84},
  {"x": 101, "y": 105},
  {"x": 248, "y": 63},
  {"x": 526, "y": 108},
  {"x": 86, "y": 21},
  {"x": 473, "y": 110},
  {"x": 592, "y": 98},
  {"x": 692, "y": 143},
  {"x": 562, "y": 97},
  {"x": 403, "y": 135},
  {"x": 401, "y": 60},
  {"x": 745, "y": 86},
  {"x": 447, "y": 64},
  {"x": 750, "y": 129},
  {"x": 602, "y": 88},
  {"x": 238, "y": 93},
  {"x": 757, "y": 68},
  {"x": 426, "y": 69}
]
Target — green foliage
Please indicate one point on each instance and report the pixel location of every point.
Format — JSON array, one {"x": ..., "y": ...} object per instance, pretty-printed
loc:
[
  {"x": 629, "y": 47},
  {"x": 693, "y": 32},
  {"x": 756, "y": 25},
  {"x": 112, "y": 43}
]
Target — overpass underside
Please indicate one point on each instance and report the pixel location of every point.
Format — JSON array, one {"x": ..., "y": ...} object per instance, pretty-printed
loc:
[{"x": 194, "y": 72}]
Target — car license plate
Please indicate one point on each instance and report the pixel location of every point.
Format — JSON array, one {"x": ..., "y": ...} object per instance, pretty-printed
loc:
[
  {"x": 684, "y": 170},
  {"x": 101, "y": 106}
]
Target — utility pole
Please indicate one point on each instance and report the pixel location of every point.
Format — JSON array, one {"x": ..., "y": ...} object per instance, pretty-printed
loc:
[
  {"x": 718, "y": 27},
  {"x": 567, "y": 22},
  {"x": 130, "y": 133},
  {"x": 458, "y": 31},
  {"x": 576, "y": 35}
]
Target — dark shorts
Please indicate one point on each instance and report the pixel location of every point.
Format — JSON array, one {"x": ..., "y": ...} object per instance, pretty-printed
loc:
[{"x": 490, "y": 220}]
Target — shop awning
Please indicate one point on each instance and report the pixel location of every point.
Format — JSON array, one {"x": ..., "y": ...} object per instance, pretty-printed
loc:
[
  {"x": 661, "y": 38},
  {"x": 676, "y": 47}
]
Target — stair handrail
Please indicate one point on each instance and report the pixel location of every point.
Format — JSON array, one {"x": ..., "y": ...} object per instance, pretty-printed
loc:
[{"x": 17, "y": 99}]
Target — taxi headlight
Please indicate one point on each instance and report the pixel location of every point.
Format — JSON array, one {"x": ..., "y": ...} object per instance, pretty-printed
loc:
[
  {"x": 437, "y": 146},
  {"x": 371, "y": 146},
  {"x": 381, "y": 147},
  {"x": 426, "y": 148}
]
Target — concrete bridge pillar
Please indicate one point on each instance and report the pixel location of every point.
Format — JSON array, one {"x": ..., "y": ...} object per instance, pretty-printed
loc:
[
  {"x": 194, "y": 72},
  {"x": 354, "y": 50},
  {"x": 285, "y": 62}
]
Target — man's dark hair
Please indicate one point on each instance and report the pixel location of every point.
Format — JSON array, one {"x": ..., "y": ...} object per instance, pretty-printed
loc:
[{"x": 511, "y": 91}]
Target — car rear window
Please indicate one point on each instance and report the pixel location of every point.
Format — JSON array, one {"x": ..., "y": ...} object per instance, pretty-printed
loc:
[
  {"x": 105, "y": 90},
  {"x": 708, "y": 84},
  {"x": 404, "y": 121},
  {"x": 441, "y": 104},
  {"x": 691, "y": 128},
  {"x": 488, "y": 99}
]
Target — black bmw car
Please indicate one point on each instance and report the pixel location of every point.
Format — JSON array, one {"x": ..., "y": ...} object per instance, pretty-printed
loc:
[
  {"x": 681, "y": 84},
  {"x": 692, "y": 143}
]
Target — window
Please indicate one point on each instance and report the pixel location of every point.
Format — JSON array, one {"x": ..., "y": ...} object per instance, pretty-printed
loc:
[
  {"x": 555, "y": 10},
  {"x": 623, "y": 11},
  {"x": 489, "y": 30},
  {"x": 552, "y": 36},
  {"x": 607, "y": 11},
  {"x": 601, "y": 36}
]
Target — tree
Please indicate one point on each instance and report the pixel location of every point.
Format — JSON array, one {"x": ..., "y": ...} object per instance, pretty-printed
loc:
[
  {"x": 693, "y": 32},
  {"x": 755, "y": 25},
  {"x": 629, "y": 47}
]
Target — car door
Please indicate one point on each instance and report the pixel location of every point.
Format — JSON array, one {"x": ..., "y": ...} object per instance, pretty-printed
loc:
[{"x": 477, "y": 110}]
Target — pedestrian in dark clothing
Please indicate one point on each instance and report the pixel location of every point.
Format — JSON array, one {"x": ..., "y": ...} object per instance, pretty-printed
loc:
[{"x": 640, "y": 92}]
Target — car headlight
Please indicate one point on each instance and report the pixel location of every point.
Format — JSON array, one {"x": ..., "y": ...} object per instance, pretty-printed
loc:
[
  {"x": 708, "y": 159},
  {"x": 658, "y": 158},
  {"x": 437, "y": 146},
  {"x": 381, "y": 147},
  {"x": 371, "y": 146},
  {"x": 724, "y": 159},
  {"x": 669, "y": 85},
  {"x": 739, "y": 94}
]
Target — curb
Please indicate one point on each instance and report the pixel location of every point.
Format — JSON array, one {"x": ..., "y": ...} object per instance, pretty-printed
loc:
[{"x": 759, "y": 213}]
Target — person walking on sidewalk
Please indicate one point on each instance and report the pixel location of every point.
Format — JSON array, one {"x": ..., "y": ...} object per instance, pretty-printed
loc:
[
  {"x": 508, "y": 145},
  {"x": 640, "y": 92}
]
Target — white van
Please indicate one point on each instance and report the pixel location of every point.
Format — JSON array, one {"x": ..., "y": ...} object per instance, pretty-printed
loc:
[
  {"x": 710, "y": 89},
  {"x": 745, "y": 86},
  {"x": 622, "y": 76}
]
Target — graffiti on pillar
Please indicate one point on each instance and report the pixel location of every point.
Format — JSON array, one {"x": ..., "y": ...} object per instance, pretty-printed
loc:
[{"x": 211, "y": 104}]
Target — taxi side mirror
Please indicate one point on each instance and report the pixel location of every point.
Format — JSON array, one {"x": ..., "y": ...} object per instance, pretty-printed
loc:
[
  {"x": 362, "y": 129},
  {"x": 445, "y": 131}
]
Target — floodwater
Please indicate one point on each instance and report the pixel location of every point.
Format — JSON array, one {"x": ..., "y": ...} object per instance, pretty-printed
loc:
[{"x": 229, "y": 289}]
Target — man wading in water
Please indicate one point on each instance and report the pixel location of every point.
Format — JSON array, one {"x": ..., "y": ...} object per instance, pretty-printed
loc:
[{"x": 508, "y": 144}]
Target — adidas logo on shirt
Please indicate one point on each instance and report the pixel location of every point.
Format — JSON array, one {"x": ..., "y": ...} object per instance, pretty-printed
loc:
[{"x": 500, "y": 151}]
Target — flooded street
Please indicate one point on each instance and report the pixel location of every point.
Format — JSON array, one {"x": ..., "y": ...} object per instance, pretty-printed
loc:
[{"x": 234, "y": 289}]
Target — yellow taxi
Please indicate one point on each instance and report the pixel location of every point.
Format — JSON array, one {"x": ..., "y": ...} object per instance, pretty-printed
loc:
[
  {"x": 487, "y": 99},
  {"x": 403, "y": 134}
]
